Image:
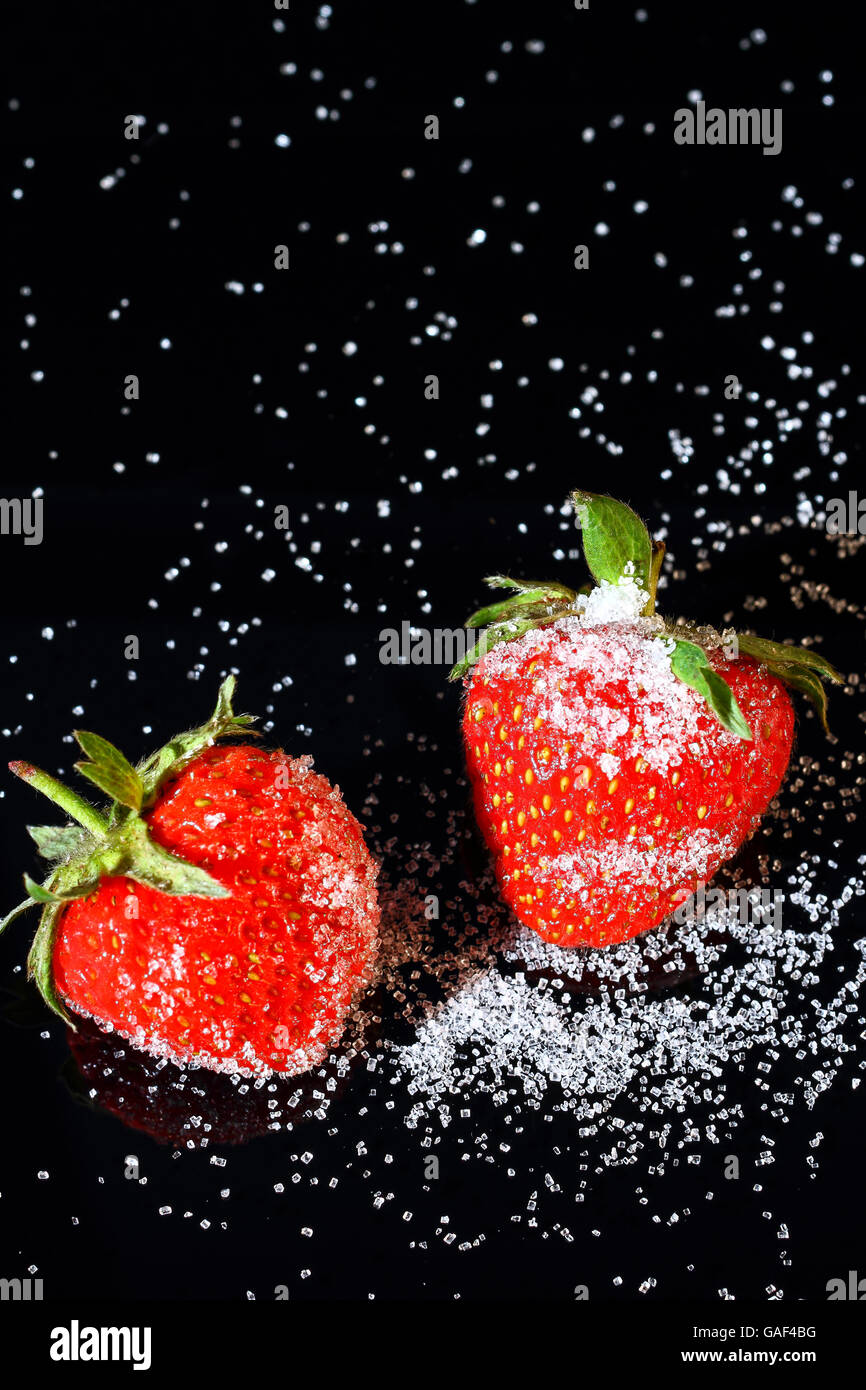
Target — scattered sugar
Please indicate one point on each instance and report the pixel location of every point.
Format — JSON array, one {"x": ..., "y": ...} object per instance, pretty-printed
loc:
[{"x": 668, "y": 1048}]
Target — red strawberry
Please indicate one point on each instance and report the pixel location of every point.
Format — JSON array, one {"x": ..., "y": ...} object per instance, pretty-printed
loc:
[
  {"x": 617, "y": 763},
  {"x": 222, "y": 912}
]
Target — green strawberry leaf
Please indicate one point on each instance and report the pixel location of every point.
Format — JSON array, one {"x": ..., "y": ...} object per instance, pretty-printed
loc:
[
  {"x": 613, "y": 537},
  {"x": 174, "y": 756},
  {"x": 807, "y": 682},
  {"x": 147, "y": 862},
  {"x": 38, "y": 893},
  {"x": 689, "y": 664},
  {"x": 499, "y": 632},
  {"x": 533, "y": 603},
  {"x": 767, "y": 651},
  {"x": 40, "y": 960},
  {"x": 60, "y": 841},
  {"x": 81, "y": 811},
  {"x": 109, "y": 770},
  {"x": 16, "y": 912},
  {"x": 548, "y": 589},
  {"x": 41, "y": 894}
]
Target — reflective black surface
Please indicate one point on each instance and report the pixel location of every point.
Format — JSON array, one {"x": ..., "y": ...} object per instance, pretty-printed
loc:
[{"x": 158, "y": 517}]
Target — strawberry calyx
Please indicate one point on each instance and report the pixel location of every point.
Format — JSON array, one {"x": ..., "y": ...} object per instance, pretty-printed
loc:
[
  {"x": 618, "y": 548},
  {"x": 116, "y": 840}
]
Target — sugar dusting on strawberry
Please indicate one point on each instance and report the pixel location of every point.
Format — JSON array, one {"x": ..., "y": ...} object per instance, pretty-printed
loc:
[
  {"x": 636, "y": 791},
  {"x": 256, "y": 982},
  {"x": 616, "y": 762},
  {"x": 241, "y": 924}
]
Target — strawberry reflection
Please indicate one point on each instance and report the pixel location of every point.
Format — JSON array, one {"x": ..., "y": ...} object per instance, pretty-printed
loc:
[{"x": 191, "y": 1108}]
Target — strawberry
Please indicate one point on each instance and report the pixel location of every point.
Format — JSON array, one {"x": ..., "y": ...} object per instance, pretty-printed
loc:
[
  {"x": 221, "y": 912},
  {"x": 616, "y": 761}
]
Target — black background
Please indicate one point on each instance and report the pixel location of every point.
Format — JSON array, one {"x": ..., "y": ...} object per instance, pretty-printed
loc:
[{"x": 112, "y": 536}]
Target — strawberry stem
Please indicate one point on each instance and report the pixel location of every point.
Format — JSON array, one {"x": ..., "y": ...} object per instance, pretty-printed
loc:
[
  {"x": 68, "y": 801},
  {"x": 658, "y": 555}
]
